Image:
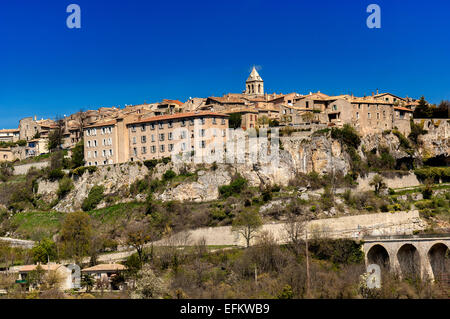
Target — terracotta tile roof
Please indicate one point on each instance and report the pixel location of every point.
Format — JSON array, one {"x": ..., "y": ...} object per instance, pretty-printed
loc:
[
  {"x": 176, "y": 116},
  {"x": 241, "y": 111},
  {"x": 14, "y": 130},
  {"x": 227, "y": 99},
  {"x": 172, "y": 102},
  {"x": 401, "y": 108},
  {"x": 105, "y": 267},
  {"x": 28, "y": 268},
  {"x": 100, "y": 124}
]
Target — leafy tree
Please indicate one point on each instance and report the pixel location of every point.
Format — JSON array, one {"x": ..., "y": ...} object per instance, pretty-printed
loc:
[
  {"x": 378, "y": 183},
  {"x": 247, "y": 223},
  {"x": 169, "y": 175},
  {"x": 148, "y": 286},
  {"x": 87, "y": 282},
  {"x": 6, "y": 171},
  {"x": 78, "y": 155},
  {"x": 76, "y": 235},
  {"x": 55, "y": 137},
  {"x": 44, "y": 251},
  {"x": 422, "y": 110},
  {"x": 138, "y": 234},
  {"x": 443, "y": 110},
  {"x": 35, "y": 277},
  {"x": 235, "y": 120}
]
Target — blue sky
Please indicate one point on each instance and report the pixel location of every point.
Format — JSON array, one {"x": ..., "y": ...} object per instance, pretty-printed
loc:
[{"x": 135, "y": 51}]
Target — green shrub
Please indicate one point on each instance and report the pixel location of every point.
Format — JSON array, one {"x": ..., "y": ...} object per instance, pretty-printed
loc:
[
  {"x": 347, "y": 135},
  {"x": 94, "y": 198},
  {"x": 65, "y": 186},
  {"x": 55, "y": 174},
  {"x": 433, "y": 173},
  {"x": 151, "y": 163},
  {"x": 404, "y": 142},
  {"x": 139, "y": 186},
  {"x": 169, "y": 174},
  {"x": 81, "y": 170},
  {"x": 235, "y": 187}
]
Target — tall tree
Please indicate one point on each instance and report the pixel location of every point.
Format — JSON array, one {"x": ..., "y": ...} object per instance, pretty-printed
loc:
[
  {"x": 423, "y": 110},
  {"x": 247, "y": 223},
  {"x": 44, "y": 251},
  {"x": 78, "y": 155},
  {"x": 55, "y": 137},
  {"x": 137, "y": 235},
  {"x": 76, "y": 236}
]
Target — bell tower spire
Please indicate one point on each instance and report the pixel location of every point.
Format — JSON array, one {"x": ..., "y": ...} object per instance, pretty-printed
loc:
[{"x": 254, "y": 84}]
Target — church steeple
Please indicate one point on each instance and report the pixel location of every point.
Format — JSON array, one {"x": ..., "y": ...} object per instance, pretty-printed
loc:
[{"x": 254, "y": 84}]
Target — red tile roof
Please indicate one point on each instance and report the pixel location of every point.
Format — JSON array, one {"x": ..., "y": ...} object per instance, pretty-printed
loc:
[
  {"x": 100, "y": 124},
  {"x": 177, "y": 116},
  {"x": 401, "y": 108},
  {"x": 172, "y": 102}
]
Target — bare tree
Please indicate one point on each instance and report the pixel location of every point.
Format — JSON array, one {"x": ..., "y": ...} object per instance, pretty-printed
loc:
[{"x": 247, "y": 223}]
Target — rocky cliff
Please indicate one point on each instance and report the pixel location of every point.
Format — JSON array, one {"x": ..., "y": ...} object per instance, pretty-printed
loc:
[{"x": 299, "y": 153}]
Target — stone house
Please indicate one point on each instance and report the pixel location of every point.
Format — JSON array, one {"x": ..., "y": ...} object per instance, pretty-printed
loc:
[{"x": 105, "y": 272}]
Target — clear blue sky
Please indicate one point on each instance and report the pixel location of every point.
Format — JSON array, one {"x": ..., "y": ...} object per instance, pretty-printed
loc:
[{"x": 128, "y": 52}]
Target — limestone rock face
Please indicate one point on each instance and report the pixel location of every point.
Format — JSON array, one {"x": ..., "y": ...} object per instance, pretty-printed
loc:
[{"x": 206, "y": 187}]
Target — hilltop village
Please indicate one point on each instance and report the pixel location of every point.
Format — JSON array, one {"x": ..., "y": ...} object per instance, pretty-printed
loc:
[
  {"x": 93, "y": 206},
  {"x": 117, "y": 135}
]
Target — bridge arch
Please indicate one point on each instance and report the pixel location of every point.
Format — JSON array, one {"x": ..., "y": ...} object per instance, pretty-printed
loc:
[
  {"x": 409, "y": 260},
  {"x": 377, "y": 254},
  {"x": 437, "y": 257}
]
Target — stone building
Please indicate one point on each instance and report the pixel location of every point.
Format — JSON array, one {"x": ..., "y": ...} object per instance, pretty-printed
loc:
[
  {"x": 9, "y": 135},
  {"x": 158, "y": 136}
]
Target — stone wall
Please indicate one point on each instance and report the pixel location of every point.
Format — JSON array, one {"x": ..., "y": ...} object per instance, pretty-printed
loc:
[
  {"x": 409, "y": 180},
  {"x": 355, "y": 227},
  {"x": 23, "y": 169}
]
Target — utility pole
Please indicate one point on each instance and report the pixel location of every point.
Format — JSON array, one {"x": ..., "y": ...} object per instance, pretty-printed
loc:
[{"x": 307, "y": 264}]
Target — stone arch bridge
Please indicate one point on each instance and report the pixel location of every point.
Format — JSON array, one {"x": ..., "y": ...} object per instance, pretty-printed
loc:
[{"x": 424, "y": 255}]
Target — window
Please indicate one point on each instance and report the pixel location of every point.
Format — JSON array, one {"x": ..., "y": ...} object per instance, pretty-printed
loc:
[
  {"x": 110, "y": 141},
  {"x": 134, "y": 151},
  {"x": 143, "y": 139},
  {"x": 307, "y": 104},
  {"x": 223, "y": 121},
  {"x": 161, "y": 137},
  {"x": 224, "y": 132},
  {"x": 104, "y": 142},
  {"x": 110, "y": 152},
  {"x": 104, "y": 153},
  {"x": 89, "y": 154},
  {"x": 183, "y": 146},
  {"x": 191, "y": 122},
  {"x": 202, "y": 132},
  {"x": 169, "y": 136},
  {"x": 133, "y": 128},
  {"x": 334, "y": 107},
  {"x": 89, "y": 143},
  {"x": 183, "y": 123},
  {"x": 134, "y": 139},
  {"x": 161, "y": 125},
  {"x": 143, "y": 127},
  {"x": 152, "y": 126},
  {"x": 357, "y": 115},
  {"x": 378, "y": 116},
  {"x": 183, "y": 135},
  {"x": 170, "y": 124},
  {"x": 170, "y": 147},
  {"x": 213, "y": 120},
  {"x": 153, "y": 138},
  {"x": 153, "y": 149},
  {"x": 368, "y": 115},
  {"x": 161, "y": 148},
  {"x": 95, "y": 143},
  {"x": 202, "y": 144},
  {"x": 95, "y": 155},
  {"x": 144, "y": 150}
]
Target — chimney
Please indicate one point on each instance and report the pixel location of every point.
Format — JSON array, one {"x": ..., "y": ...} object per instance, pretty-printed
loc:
[
  {"x": 377, "y": 92},
  {"x": 373, "y": 93}
]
